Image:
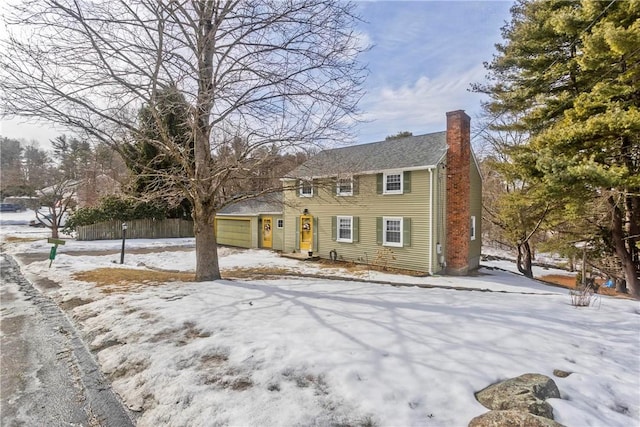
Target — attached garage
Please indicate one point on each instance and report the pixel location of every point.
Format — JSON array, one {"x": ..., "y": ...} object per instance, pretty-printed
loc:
[
  {"x": 234, "y": 232},
  {"x": 252, "y": 223}
]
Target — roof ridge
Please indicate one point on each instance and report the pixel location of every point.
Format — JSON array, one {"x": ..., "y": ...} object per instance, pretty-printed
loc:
[
  {"x": 405, "y": 152},
  {"x": 383, "y": 141}
]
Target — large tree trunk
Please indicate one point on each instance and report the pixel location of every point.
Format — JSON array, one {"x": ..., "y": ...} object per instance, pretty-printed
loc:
[
  {"x": 632, "y": 227},
  {"x": 207, "y": 267},
  {"x": 524, "y": 259},
  {"x": 617, "y": 235}
]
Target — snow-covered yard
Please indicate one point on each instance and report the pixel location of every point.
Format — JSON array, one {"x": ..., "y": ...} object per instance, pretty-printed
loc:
[{"x": 331, "y": 351}]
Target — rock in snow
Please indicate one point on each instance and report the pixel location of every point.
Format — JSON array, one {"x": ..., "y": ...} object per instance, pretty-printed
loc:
[{"x": 518, "y": 401}]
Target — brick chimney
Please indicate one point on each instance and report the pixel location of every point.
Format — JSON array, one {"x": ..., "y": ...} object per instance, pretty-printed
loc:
[{"x": 458, "y": 192}]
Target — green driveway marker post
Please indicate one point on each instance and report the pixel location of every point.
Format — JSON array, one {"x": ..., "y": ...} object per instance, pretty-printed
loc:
[{"x": 54, "y": 249}]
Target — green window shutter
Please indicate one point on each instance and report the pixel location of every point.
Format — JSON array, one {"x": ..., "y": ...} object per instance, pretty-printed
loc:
[
  {"x": 334, "y": 187},
  {"x": 297, "y": 233},
  {"x": 356, "y": 187},
  {"x": 314, "y": 187},
  {"x": 379, "y": 230},
  {"x": 379, "y": 183},
  {"x": 406, "y": 232},
  {"x": 356, "y": 229},
  {"x": 406, "y": 185},
  {"x": 315, "y": 234},
  {"x": 334, "y": 228}
]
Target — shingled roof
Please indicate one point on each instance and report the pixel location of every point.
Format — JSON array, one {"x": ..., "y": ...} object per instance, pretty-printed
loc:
[
  {"x": 399, "y": 153},
  {"x": 264, "y": 204}
]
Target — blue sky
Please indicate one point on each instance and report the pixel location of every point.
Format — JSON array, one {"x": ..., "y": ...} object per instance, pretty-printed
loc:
[{"x": 424, "y": 57}]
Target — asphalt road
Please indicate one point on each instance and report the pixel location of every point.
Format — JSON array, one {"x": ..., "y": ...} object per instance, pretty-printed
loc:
[{"x": 48, "y": 376}]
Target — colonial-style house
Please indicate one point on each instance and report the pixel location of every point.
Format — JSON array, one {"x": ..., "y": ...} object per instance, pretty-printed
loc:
[{"x": 411, "y": 202}]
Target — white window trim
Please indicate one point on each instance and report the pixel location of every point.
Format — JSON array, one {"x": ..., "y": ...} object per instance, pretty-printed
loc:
[
  {"x": 344, "y": 193},
  {"x": 302, "y": 185},
  {"x": 279, "y": 223},
  {"x": 385, "y": 220},
  {"x": 473, "y": 228},
  {"x": 338, "y": 239},
  {"x": 384, "y": 183}
]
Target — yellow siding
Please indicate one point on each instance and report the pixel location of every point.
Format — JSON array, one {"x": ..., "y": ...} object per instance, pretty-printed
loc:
[
  {"x": 237, "y": 231},
  {"x": 367, "y": 205},
  {"x": 475, "y": 246},
  {"x": 278, "y": 233},
  {"x": 439, "y": 218}
]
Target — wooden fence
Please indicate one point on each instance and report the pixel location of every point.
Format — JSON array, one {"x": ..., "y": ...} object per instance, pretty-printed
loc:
[{"x": 137, "y": 229}]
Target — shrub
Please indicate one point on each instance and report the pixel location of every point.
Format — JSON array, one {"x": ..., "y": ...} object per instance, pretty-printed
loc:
[
  {"x": 115, "y": 208},
  {"x": 383, "y": 258},
  {"x": 583, "y": 296}
]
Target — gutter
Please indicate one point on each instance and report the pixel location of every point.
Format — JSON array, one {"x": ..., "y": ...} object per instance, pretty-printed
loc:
[{"x": 430, "y": 221}]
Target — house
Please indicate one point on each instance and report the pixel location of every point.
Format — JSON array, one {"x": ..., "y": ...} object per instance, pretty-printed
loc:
[
  {"x": 412, "y": 202},
  {"x": 252, "y": 223},
  {"x": 84, "y": 192}
]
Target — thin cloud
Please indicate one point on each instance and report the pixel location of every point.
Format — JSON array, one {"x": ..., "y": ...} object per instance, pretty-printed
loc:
[
  {"x": 424, "y": 57},
  {"x": 419, "y": 107}
]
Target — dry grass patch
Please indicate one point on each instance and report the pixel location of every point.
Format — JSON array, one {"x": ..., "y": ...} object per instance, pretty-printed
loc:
[
  {"x": 254, "y": 273},
  {"x": 128, "y": 280},
  {"x": 15, "y": 239},
  {"x": 258, "y": 273},
  {"x": 569, "y": 282},
  {"x": 349, "y": 266},
  {"x": 354, "y": 267}
]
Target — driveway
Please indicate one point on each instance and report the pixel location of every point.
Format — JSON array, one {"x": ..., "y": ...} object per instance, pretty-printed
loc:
[{"x": 48, "y": 376}]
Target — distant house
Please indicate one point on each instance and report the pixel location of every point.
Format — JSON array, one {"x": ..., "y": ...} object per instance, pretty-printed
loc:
[
  {"x": 412, "y": 202},
  {"x": 85, "y": 192}
]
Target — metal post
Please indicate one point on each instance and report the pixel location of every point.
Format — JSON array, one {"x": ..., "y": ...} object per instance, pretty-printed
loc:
[
  {"x": 124, "y": 238},
  {"x": 584, "y": 264}
]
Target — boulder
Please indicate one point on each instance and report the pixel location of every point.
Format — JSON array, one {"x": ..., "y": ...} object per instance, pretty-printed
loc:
[
  {"x": 560, "y": 373},
  {"x": 526, "y": 393},
  {"x": 511, "y": 418}
]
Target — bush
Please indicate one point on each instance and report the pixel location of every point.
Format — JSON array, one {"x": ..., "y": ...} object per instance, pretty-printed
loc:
[
  {"x": 115, "y": 208},
  {"x": 584, "y": 296}
]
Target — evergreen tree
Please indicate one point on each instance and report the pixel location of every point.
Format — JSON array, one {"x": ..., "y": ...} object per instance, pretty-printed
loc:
[
  {"x": 24, "y": 168},
  {"x": 156, "y": 174},
  {"x": 73, "y": 156},
  {"x": 568, "y": 72}
]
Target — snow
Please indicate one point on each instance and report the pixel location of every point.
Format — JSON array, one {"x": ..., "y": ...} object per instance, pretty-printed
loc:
[{"x": 344, "y": 349}]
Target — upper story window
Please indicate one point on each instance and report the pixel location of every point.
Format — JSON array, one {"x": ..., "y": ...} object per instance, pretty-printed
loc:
[
  {"x": 306, "y": 189},
  {"x": 280, "y": 223},
  {"x": 396, "y": 182},
  {"x": 344, "y": 186},
  {"x": 392, "y": 183}
]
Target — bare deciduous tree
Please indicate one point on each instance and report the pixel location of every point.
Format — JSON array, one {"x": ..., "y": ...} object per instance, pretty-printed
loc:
[
  {"x": 56, "y": 201},
  {"x": 280, "y": 73}
]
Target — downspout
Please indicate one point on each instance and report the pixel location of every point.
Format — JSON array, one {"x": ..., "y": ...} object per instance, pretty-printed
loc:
[{"x": 430, "y": 221}]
